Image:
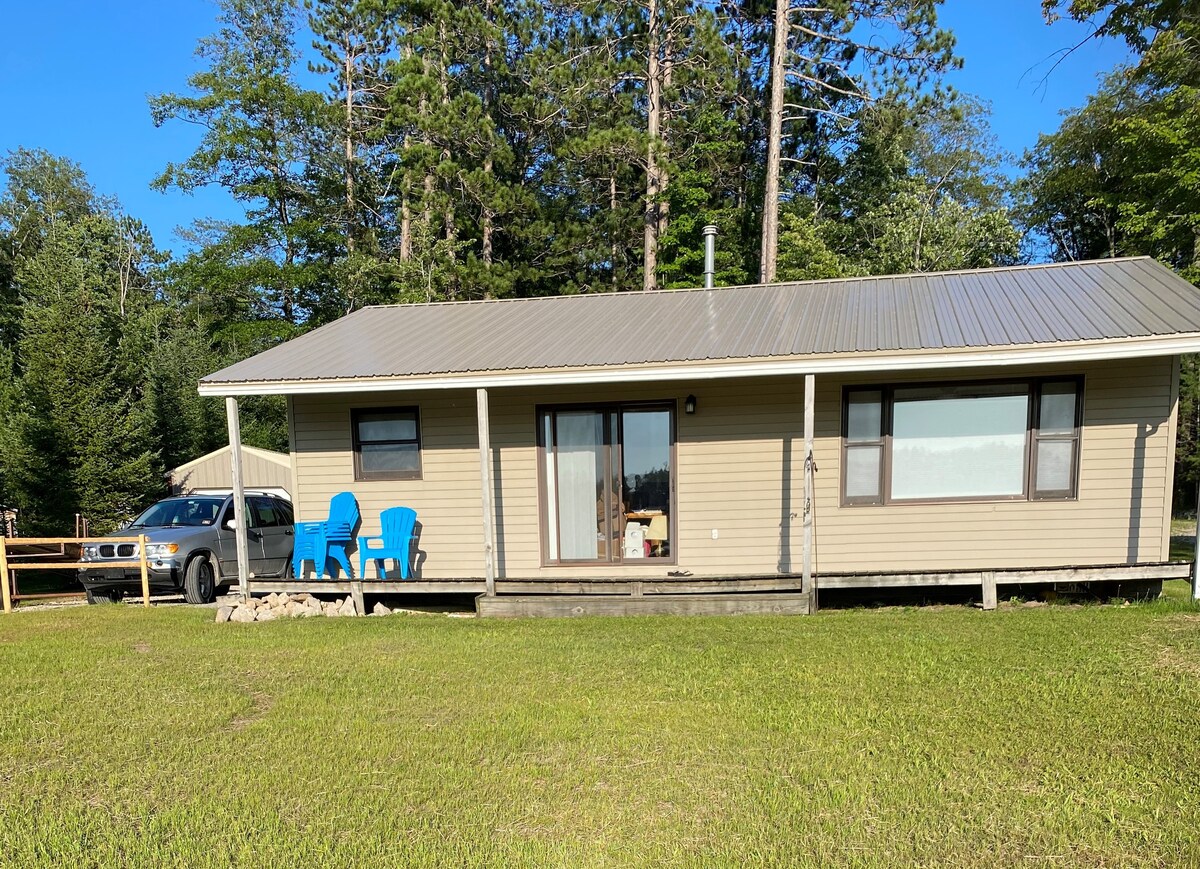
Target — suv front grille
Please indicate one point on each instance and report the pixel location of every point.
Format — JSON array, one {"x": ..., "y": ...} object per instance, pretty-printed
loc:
[
  {"x": 107, "y": 550},
  {"x": 127, "y": 550}
]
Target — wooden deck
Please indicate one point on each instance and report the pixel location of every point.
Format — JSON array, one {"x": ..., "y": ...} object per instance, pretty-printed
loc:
[{"x": 729, "y": 592}]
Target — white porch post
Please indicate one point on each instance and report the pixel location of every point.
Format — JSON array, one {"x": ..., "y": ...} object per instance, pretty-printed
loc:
[
  {"x": 810, "y": 467},
  {"x": 485, "y": 481},
  {"x": 239, "y": 496}
]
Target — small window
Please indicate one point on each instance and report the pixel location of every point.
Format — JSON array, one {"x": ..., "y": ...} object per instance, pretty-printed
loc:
[
  {"x": 387, "y": 443},
  {"x": 1056, "y": 440}
]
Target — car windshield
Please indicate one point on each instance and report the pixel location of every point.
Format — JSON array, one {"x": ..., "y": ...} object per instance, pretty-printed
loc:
[{"x": 180, "y": 511}]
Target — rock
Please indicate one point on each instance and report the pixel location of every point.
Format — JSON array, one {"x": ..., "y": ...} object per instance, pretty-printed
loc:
[
  {"x": 314, "y": 606},
  {"x": 242, "y": 614},
  {"x": 380, "y": 610},
  {"x": 301, "y": 597},
  {"x": 223, "y": 613},
  {"x": 330, "y": 608},
  {"x": 347, "y": 608},
  {"x": 291, "y": 609},
  {"x": 266, "y": 614}
]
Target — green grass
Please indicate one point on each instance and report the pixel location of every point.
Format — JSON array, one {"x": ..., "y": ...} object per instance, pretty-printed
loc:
[
  {"x": 1051, "y": 736},
  {"x": 1183, "y": 539}
]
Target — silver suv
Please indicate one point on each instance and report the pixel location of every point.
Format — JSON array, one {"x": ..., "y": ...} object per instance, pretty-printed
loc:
[{"x": 190, "y": 547}]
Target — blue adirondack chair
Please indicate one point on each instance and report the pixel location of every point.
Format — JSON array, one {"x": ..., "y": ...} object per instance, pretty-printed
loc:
[
  {"x": 328, "y": 539},
  {"x": 396, "y": 538}
]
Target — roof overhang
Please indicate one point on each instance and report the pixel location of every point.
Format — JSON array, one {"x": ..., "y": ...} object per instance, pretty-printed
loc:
[{"x": 836, "y": 363}]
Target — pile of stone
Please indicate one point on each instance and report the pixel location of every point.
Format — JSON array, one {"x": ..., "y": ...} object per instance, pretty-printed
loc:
[{"x": 281, "y": 605}]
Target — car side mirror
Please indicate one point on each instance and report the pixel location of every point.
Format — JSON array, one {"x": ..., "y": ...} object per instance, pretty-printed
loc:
[{"x": 229, "y": 523}]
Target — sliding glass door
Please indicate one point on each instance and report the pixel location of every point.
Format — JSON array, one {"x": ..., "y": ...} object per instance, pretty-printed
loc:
[{"x": 607, "y": 475}]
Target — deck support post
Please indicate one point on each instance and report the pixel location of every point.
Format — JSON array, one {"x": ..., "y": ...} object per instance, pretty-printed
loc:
[
  {"x": 989, "y": 590},
  {"x": 485, "y": 482},
  {"x": 239, "y": 497},
  {"x": 356, "y": 594},
  {"x": 810, "y": 467}
]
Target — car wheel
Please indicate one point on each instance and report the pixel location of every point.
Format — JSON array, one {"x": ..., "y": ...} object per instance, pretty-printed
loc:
[
  {"x": 106, "y": 595},
  {"x": 199, "y": 581}
]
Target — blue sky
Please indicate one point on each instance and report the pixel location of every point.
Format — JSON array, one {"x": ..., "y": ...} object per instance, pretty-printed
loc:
[{"x": 75, "y": 75}]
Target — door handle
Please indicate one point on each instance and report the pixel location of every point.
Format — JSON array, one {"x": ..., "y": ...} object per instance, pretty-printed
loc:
[{"x": 288, "y": 532}]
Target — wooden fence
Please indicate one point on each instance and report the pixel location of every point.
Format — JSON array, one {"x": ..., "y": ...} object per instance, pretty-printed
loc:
[{"x": 8, "y": 569}]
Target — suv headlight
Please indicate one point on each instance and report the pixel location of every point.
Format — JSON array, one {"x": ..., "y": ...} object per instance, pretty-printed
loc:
[
  {"x": 161, "y": 550},
  {"x": 91, "y": 552}
]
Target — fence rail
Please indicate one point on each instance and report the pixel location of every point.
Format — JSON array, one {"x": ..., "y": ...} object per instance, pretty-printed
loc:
[{"x": 8, "y": 576}]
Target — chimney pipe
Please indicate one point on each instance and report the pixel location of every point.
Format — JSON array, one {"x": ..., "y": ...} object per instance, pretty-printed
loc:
[{"x": 710, "y": 243}]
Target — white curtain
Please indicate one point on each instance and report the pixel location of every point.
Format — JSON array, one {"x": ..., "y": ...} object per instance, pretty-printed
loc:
[{"x": 580, "y": 439}]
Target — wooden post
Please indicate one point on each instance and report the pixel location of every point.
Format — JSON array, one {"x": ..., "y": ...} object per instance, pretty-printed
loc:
[
  {"x": 356, "y": 594},
  {"x": 4, "y": 572},
  {"x": 810, "y": 467},
  {"x": 145, "y": 571},
  {"x": 1196, "y": 557},
  {"x": 239, "y": 497},
  {"x": 989, "y": 590},
  {"x": 485, "y": 481}
]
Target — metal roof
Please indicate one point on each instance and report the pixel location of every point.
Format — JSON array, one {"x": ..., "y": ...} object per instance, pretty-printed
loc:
[{"x": 943, "y": 311}]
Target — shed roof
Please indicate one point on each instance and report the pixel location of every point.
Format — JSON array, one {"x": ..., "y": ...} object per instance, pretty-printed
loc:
[{"x": 1101, "y": 309}]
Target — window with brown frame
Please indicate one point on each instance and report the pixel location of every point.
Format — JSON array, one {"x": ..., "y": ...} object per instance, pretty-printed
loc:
[
  {"x": 961, "y": 441},
  {"x": 607, "y": 483},
  {"x": 387, "y": 443}
]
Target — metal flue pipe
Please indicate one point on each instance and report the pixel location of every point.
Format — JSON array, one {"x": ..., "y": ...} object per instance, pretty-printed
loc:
[{"x": 710, "y": 248}]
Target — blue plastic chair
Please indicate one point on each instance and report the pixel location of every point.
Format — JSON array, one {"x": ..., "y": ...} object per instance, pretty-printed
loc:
[
  {"x": 331, "y": 537},
  {"x": 396, "y": 538},
  {"x": 309, "y": 545}
]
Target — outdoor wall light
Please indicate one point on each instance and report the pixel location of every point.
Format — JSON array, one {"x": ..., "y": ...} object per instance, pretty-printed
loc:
[{"x": 689, "y": 404}]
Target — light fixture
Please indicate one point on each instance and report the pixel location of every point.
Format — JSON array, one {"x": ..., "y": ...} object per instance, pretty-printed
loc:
[{"x": 689, "y": 404}]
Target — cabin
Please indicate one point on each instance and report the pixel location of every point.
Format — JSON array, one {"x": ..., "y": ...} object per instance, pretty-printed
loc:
[{"x": 736, "y": 449}]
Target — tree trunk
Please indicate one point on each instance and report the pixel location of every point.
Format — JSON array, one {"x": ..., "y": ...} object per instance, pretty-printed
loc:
[
  {"x": 653, "y": 174},
  {"x": 664, "y": 135},
  {"x": 770, "y": 220},
  {"x": 489, "y": 100},
  {"x": 351, "y": 195},
  {"x": 406, "y": 245},
  {"x": 614, "y": 248},
  {"x": 485, "y": 247}
]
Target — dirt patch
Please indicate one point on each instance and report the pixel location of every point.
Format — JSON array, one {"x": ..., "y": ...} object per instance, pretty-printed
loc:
[
  {"x": 142, "y": 647},
  {"x": 260, "y": 705}
]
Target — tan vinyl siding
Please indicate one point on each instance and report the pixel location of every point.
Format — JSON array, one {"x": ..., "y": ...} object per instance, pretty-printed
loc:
[
  {"x": 740, "y": 471},
  {"x": 214, "y": 472},
  {"x": 1126, "y": 458}
]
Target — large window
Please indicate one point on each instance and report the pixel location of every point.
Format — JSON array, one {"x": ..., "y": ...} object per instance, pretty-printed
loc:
[
  {"x": 607, "y": 490},
  {"x": 387, "y": 443},
  {"x": 989, "y": 441}
]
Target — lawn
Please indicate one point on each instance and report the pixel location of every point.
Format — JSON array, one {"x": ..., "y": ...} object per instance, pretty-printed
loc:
[{"x": 1048, "y": 736}]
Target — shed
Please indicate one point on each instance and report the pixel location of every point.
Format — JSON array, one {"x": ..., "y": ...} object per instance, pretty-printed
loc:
[{"x": 262, "y": 470}]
